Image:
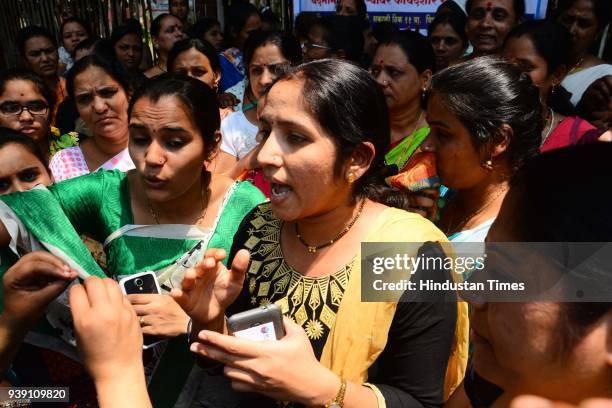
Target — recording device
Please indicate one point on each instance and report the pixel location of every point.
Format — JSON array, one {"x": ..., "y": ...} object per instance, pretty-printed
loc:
[
  {"x": 260, "y": 324},
  {"x": 141, "y": 283}
]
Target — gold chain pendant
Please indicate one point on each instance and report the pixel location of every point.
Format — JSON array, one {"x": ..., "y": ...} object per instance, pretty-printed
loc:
[{"x": 312, "y": 249}]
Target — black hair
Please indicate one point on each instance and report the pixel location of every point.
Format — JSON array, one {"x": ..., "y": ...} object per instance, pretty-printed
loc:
[
  {"x": 384, "y": 30},
  {"x": 196, "y": 96},
  {"x": 202, "y": 26},
  {"x": 86, "y": 44},
  {"x": 351, "y": 108},
  {"x": 455, "y": 20},
  {"x": 360, "y": 7},
  {"x": 125, "y": 29},
  {"x": 602, "y": 9},
  {"x": 450, "y": 6},
  {"x": 550, "y": 185},
  {"x": 27, "y": 75},
  {"x": 10, "y": 136},
  {"x": 547, "y": 192},
  {"x": 268, "y": 16},
  {"x": 517, "y": 5},
  {"x": 113, "y": 69},
  {"x": 237, "y": 15},
  {"x": 579, "y": 318},
  {"x": 77, "y": 20},
  {"x": 488, "y": 92},
  {"x": 343, "y": 33},
  {"x": 553, "y": 42},
  {"x": 286, "y": 43},
  {"x": 100, "y": 46},
  {"x": 204, "y": 48},
  {"x": 29, "y": 32},
  {"x": 416, "y": 47},
  {"x": 303, "y": 22}
]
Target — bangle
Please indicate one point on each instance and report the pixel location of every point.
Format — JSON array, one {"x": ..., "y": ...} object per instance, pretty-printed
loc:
[{"x": 338, "y": 401}]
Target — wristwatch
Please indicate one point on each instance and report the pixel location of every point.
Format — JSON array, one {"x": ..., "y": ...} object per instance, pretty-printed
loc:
[{"x": 338, "y": 401}]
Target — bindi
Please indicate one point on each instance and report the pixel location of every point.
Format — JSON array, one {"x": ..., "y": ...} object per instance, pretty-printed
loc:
[{"x": 489, "y": 6}]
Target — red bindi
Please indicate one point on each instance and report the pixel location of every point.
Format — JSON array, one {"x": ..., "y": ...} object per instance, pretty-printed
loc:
[{"x": 489, "y": 6}]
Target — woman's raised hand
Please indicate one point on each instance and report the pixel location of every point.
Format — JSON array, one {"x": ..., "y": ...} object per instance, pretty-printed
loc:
[{"x": 209, "y": 288}]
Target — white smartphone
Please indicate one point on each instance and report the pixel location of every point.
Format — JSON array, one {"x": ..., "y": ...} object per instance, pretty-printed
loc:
[
  {"x": 262, "y": 323},
  {"x": 143, "y": 282}
]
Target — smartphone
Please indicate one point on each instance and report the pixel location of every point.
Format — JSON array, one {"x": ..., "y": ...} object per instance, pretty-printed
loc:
[
  {"x": 143, "y": 282},
  {"x": 262, "y": 323}
]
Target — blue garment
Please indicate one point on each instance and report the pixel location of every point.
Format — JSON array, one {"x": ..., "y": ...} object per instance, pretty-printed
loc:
[{"x": 231, "y": 72}]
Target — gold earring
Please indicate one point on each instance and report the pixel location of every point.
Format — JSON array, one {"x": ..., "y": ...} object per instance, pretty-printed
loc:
[
  {"x": 488, "y": 165},
  {"x": 350, "y": 178}
]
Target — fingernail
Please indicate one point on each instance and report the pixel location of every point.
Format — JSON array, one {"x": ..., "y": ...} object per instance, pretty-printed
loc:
[
  {"x": 194, "y": 347},
  {"x": 203, "y": 335}
]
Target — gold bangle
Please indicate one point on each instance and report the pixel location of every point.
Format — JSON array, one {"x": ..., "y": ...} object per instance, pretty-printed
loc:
[{"x": 338, "y": 401}]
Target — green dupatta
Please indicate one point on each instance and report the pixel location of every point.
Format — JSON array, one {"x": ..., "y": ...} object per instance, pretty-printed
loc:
[{"x": 401, "y": 153}]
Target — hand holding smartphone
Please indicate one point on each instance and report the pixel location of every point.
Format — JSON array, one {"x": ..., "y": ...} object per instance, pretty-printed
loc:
[
  {"x": 141, "y": 283},
  {"x": 261, "y": 324}
]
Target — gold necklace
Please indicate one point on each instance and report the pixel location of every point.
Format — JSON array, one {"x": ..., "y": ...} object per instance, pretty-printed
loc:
[
  {"x": 471, "y": 215},
  {"x": 576, "y": 67},
  {"x": 313, "y": 248},
  {"x": 205, "y": 198}
]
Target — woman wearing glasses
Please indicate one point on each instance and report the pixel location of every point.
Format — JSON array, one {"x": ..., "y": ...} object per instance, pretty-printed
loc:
[
  {"x": 266, "y": 54},
  {"x": 26, "y": 105}
]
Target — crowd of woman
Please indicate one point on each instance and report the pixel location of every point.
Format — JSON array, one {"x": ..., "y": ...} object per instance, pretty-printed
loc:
[{"x": 247, "y": 168}]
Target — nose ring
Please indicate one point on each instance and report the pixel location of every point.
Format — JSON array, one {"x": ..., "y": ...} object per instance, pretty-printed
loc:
[
  {"x": 385, "y": 82},
  {"x": 161, "y": 160}
]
